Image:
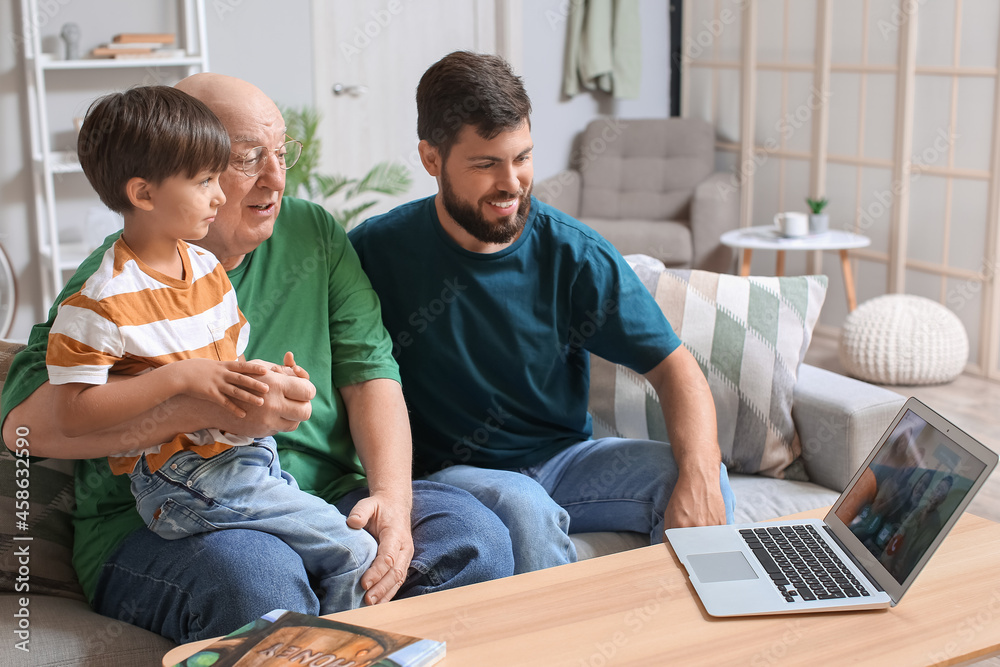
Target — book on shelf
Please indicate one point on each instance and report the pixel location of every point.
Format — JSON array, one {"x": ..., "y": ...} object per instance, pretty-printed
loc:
[
  {"x": 134, "y": 45},
  {"x": 156, "y": 53},
  {"x": 105, "y": 52},
  {"x": 289, "y": 638},
  {"x": 145, "y": 37},
  {"x": 119, "y": 53}
]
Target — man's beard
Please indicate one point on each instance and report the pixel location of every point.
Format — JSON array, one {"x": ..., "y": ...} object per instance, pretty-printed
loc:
[{"x": 472, "y": 221}]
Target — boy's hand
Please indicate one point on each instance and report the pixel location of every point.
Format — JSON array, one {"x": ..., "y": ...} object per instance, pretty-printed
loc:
[
  {"x": 298, "y": 370},
  {"x": 219, "y": 381}
]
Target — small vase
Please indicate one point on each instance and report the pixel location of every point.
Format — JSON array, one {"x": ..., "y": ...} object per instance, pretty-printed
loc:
[{"x": 819, "y": 223}]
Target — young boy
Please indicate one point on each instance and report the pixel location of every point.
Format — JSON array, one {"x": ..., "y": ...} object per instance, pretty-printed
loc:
[{"x": 164, "y": 314}]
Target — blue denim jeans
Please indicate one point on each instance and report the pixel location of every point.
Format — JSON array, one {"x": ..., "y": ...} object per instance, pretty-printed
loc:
[
  {"x": 245, "y": 487},
  {"x": 212, "y": 583},
  {"x": 596, "y": 485}
]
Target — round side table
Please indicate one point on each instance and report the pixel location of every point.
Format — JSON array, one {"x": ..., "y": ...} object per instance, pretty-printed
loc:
[{"x": 766, "y": 237}]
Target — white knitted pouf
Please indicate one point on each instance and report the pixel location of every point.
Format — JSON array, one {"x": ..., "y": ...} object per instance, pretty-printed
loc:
[{"x": 903, "y": 339}]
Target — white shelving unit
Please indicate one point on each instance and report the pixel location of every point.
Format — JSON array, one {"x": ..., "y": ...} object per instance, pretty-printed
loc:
[{"x": 56, "y": 255}]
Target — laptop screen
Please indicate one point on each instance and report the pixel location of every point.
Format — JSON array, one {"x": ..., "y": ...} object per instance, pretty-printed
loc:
[{"x": 902, "y": 502}]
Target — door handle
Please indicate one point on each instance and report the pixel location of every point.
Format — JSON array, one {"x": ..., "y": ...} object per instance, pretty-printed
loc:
[{"x": 354, "y": 90}]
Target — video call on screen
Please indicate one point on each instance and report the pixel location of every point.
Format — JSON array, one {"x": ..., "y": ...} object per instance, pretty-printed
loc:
[{"x": 909, "y": 491}]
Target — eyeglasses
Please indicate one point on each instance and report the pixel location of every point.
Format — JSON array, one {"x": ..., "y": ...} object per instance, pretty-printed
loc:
[{"x": 253, "y": 161}]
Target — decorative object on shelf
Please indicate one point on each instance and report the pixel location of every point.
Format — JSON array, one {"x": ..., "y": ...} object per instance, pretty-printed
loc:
[
  {"x": 304, "y": 179},
  {"x": 819, "y": 222},
  {"x": 70, "y": 34},
  {"x": 903, "y": 339}
]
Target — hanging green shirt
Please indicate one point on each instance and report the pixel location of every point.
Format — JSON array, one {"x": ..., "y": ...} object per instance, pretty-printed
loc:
[{"x": 301, "y": 290}]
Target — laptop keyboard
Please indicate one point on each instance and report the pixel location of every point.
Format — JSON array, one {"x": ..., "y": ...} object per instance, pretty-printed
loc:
[{"x": 801, "y": 564}]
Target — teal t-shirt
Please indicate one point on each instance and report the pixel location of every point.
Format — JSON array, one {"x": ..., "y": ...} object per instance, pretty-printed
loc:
[
  {"x": 301, "y": 290},
  {"x": 493, "y": 349}
]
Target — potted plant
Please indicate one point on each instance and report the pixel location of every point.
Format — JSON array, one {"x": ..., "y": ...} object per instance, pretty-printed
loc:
[
  {"x": 819, "y": 222},
  {"x": 304, "y": 180}
]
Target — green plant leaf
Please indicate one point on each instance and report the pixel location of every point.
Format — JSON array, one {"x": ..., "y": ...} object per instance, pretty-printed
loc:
[
  {"x": 331, "y": 185},
  {"x": 817, "y": 205},
  {"x": 346, "y": 217},
  {"x": 304, "y": 179},
  {"x": 388, "y": 178}
]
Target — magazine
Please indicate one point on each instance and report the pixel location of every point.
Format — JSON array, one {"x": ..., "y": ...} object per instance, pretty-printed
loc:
[{"x": 289, "y": 638}]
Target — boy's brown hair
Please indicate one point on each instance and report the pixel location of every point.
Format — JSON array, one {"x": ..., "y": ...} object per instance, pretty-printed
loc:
[{"x": 149, "y": 132}]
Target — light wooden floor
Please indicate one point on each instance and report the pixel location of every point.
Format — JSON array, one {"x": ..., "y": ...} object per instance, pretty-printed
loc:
[{"x": 969, "y": 402}]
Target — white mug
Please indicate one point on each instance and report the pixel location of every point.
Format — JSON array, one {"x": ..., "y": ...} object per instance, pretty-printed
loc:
[{"x": 792, "y": 224}]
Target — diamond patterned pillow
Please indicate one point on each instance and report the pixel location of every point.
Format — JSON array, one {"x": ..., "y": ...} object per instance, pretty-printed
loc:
[
  {"x": 749, "y": 336},
  {"x": 49, "y": 520}
]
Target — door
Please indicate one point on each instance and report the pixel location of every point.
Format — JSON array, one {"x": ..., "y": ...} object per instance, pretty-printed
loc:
[{"x": 369, "y": 57}]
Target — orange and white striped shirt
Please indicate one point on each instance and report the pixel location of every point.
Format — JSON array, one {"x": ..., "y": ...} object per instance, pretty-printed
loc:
[{"x": 128, "y": 318}]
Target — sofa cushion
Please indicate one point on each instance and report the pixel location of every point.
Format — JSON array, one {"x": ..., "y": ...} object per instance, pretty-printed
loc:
[
  {"x": 66, "y": 633},
  {"x": 47, "y": 519},
  {"x": 749, "y": 336}
]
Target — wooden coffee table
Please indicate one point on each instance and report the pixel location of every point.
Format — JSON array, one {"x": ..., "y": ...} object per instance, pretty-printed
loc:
[
  {"x": 766, "y": 238},
  {"x": 637, "y": 607}
]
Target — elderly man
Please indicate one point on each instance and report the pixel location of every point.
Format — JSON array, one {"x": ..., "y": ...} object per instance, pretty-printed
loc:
[
  {"x": 343, "y": 434},
  {"x": 495, "y": 302}
]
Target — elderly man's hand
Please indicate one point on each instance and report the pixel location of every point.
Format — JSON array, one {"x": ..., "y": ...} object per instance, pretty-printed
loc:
[
  {"x": 286, "y": 403},
  {"x": 388, "y": 520}
]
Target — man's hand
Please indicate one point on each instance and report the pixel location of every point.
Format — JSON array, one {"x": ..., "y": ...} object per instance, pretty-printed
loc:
[
  {"x": 695, "y": 501},
  {"x": 218, "y": 381},
  {"x": 689, "y": 413},
  {"x": 388, "y": 520},
  {"x": 286, "y": 404}
]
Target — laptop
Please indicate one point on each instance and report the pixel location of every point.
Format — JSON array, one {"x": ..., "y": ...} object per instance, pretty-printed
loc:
[{"x": 869, "y": 548}]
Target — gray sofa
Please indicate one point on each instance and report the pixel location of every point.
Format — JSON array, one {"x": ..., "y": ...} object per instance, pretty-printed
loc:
[
  {"x": 650, "y": 186},
  {"x": 838, "y": 420}
]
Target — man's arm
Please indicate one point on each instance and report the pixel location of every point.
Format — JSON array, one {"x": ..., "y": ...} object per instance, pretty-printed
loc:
[
  {"x": 380, "y": 428},
  {"x": 286, "y": 404},
  {"x": 690, "y": 417}
]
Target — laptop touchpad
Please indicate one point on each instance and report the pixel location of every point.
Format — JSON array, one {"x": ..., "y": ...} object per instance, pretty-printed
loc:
[{"x": 725, "y": 566}]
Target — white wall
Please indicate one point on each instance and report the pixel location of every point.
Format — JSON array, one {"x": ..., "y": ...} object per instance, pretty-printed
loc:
[
  {"x": 555, "y": 122},
  {"x": 272, "y": 49}
]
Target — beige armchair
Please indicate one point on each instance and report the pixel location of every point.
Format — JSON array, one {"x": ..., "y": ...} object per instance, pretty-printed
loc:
[{"x": 650, "y": 187}]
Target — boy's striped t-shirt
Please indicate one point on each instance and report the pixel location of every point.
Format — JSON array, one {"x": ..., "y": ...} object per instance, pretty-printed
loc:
[{"x": 129, "y": 318}]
